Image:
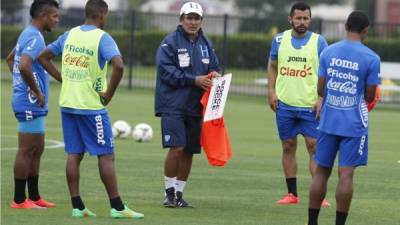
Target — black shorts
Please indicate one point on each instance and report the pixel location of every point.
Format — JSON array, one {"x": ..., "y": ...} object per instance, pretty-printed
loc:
[{"x": 181, "y": 131}]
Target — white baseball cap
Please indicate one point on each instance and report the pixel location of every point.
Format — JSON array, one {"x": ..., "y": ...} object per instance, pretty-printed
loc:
[{"x": 191, "y": 7}]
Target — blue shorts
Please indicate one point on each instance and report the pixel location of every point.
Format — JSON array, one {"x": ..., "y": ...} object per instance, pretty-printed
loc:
[
  {"x": 91, "y": 133},
  {"x": 181, "y": 131},
  {"x": 353, "y": 151},
  {"x": 35, "y": 126},
  {"x": 291, "y": 122}
]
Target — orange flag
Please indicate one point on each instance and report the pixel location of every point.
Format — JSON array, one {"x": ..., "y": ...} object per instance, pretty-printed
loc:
[{"x": 214, "y": 138}]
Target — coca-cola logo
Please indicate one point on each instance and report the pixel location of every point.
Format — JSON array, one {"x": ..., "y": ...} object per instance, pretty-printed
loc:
[
  {"x": 344, "y": 87},
  {"x": 79, "y": 61}
]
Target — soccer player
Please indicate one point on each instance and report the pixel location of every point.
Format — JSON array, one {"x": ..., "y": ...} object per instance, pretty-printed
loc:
[
  {"x": 184, "y": 58},
  {"x": 348, "y": 76},
  {"x": 292, "y": 91},
  {"x": 29, "y": 103},
  {"x": 86, "y": 51}
]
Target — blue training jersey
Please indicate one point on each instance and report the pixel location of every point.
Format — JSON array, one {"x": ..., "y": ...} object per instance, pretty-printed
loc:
[
  {"x": 30, "y": 42},
  {"x": 297, "y": 43},
  {"x": 348, "y": 67},
  {"x": 107, "y": 50}
]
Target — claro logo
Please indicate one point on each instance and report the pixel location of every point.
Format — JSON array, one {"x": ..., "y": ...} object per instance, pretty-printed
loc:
[{"x": 287, "y": 71}]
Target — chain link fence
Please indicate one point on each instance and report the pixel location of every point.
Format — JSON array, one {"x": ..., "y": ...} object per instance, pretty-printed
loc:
[{"x": 241, "y": 43}]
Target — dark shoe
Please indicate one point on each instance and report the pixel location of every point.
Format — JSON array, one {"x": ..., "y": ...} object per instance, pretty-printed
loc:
[
  {"x": 179, "y": 202},
  {"x": 169, "y": 200}
]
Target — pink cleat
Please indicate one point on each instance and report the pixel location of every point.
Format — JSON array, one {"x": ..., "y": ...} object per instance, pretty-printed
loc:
[
  {"x": 289, "y": 199},
  {"x": 43, "y": 203},
  {"x": 27, "y": 204},
  {"x": 325, "y": 203}
]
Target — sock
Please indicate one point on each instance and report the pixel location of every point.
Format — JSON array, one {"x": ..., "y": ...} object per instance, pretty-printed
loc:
[
  {"x": 33, "y": 188},
  {"x": 169, "y": 182},
  {"x": 180, "y": 185},
  {"x": 313, "y": 216},
  {"x": 116, "y": 203},
  {"x": 341, "y": 218},
  {"x": 292, "y": 185},
  {"x": 19, "y": 191},
  {"x": 77, "y": 203}
]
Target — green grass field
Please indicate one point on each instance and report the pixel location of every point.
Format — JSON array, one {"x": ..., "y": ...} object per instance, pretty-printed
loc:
[{"x": 243, "y": 192}]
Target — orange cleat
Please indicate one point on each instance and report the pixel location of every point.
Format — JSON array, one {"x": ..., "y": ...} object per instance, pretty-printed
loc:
[
  {"x": 43, "y": 203},
  {"x": 325, "y": 203},
  {"x": 289, "y": 199},
  {"x": 27, "y": 204}
]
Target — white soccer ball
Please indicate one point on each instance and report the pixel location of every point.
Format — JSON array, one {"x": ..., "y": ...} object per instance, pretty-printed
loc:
[
  {"x": 121, "y": 129},
  {"x": 142, "y": 132}
]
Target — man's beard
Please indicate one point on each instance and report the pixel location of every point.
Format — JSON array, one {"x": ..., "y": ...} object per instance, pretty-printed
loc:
[{"x": 300, "y": 29}]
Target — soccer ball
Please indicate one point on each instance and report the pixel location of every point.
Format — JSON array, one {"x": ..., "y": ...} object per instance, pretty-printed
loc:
[
  {"x": 121, "y": 129},
  {"x": 142, "y": 132}
]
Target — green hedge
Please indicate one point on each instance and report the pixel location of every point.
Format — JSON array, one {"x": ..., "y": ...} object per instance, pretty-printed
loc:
[{"x": 243, "y": 50}]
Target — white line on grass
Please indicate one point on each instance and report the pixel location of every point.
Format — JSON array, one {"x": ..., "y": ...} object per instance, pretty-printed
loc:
[{"x": 48, "y": 145}]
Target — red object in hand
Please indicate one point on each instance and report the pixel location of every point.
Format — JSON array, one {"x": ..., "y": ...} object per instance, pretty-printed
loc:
[
  {"x": 214, "y": 138},
  {"x": 372, "y": 104}
]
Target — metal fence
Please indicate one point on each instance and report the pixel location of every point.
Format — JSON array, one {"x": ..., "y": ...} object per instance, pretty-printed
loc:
[{"x": 245, "y": 81}]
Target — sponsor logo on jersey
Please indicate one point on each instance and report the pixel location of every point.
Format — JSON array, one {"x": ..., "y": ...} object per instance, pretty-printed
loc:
[
  {"x": 78, "y": 49},
  {"x": 296, "y": 59},
  {"x": 287, "y": 71},
  {"x": 344, "y": 64},
  {"x": 79, "y": 61}
]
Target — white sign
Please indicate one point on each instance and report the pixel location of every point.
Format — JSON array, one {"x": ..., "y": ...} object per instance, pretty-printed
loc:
[{"x": 217, "y": 99}]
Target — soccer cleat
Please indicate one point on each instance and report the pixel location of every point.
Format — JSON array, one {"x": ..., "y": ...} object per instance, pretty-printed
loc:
[
  {"x": 169, "y": 200},
  {"x": 325, "y": 203},
  {"x": 289, "y": 199},
  {"x": 82, "y": 213},
  {"x": 27, "y": 204},
  {"x": 179, "y": 202},
  {"x": 43, "y": 203},
  {"x": 125, "y": 213}
]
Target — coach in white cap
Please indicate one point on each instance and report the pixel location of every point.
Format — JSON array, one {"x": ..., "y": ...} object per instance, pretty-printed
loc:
[
  {"x": 184, "y": 58},
  {"x": 191, "y": 7}
]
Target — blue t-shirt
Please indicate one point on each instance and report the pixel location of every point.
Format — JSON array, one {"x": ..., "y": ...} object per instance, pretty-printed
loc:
[
  {"x": 348, "y": 67},
  {"x": 107, "y": 50},
  {"x": 25, "y": 106},
  {"x": 297, "y": 43}
]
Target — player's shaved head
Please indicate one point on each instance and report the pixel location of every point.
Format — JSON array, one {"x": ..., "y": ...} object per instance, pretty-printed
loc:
[
  {"x": 39, "y": 6},
  {"x": 357, "y": 22},
  {"x": 95, "y": 8}
]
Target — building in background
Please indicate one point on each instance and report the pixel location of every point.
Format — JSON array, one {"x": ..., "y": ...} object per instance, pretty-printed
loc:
[
  {"x": 387, "y": 11},
  {"x": 210, "y": 7},
  {"x": 214, "y": 9}
]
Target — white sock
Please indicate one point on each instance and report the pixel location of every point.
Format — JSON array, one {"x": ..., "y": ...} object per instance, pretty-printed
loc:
[
  {"x": 169, "y": 182},
  {"x": 179, "y": 185}
]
